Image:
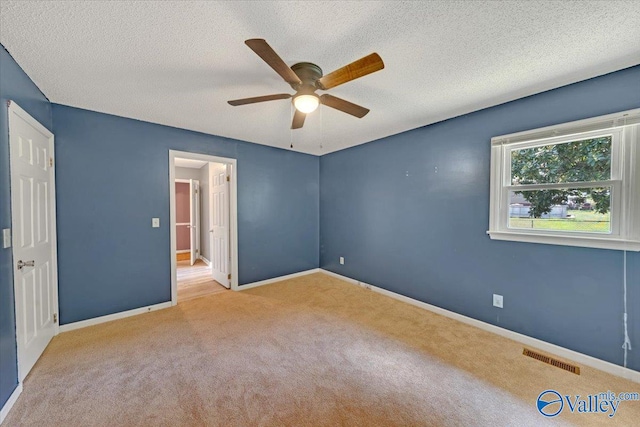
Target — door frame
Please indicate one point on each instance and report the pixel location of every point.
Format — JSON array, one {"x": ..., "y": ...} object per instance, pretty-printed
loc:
[
  {"x": 15, "y": 110},
  {"x": 233, "y": 214}
]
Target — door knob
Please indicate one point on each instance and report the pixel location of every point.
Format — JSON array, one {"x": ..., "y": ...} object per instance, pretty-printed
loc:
[{"x": 26, "y": 264}]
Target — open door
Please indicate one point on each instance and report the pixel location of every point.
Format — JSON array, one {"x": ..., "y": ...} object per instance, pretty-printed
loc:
[
  {"x": 34, "y": 236},
  {"x": 219, "y": 230},
  {"x": 194, "y": 219}
]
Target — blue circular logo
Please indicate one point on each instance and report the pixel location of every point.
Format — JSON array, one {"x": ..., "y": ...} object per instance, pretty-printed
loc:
[{"x": 550, "y": 403}]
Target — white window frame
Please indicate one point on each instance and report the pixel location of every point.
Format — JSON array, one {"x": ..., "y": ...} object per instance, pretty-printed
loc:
[{"x": 624, "y": 127}]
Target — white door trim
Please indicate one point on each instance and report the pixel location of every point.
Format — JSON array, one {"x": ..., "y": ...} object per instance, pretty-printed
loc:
[
  {"x": 14, "y": 109},
  {"x": 233, "y": 214}
]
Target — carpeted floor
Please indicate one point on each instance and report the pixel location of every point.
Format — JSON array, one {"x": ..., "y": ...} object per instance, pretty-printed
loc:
[{"x": 311, "y": 351}]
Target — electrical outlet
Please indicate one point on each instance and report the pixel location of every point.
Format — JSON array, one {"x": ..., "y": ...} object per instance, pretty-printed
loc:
[
  {"x": 155, "y": 222},
  {"x": 497, "y": 301},
  {"x": 341, "y": 260}
]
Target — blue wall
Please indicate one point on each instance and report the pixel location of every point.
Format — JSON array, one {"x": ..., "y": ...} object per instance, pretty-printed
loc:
[
  {"x": 17, "y": 86},
  {"x": 112, "y": 177},
  {"x": 410, "y": 213}
]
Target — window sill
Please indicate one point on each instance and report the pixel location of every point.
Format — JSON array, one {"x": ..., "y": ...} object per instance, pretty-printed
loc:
[{"x": 564, "y": 240}]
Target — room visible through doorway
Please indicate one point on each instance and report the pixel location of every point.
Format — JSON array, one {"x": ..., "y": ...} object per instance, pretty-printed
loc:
[{"x": 201, "y": 205}]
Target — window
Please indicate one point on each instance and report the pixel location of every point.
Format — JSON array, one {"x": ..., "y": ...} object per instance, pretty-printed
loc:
[{"x": 574, "y": 184}]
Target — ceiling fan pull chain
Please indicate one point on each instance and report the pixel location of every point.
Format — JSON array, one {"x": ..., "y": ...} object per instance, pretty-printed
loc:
[{"x": 321, "y": 130}]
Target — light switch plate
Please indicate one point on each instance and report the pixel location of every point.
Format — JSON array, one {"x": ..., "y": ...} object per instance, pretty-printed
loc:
[
  {"x": 155, "y": 222},
  {"x": 497, "y": 301},
  {"x": 6, "y": 238},
  {"x": 341, "y": 260}
]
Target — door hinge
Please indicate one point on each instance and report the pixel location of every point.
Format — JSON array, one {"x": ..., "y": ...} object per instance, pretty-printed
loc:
[
  {"x": 228, "y": 178},
  {"x": 55, "y": 317},
  {"x": 229, "y": 276},
  {"x": 196, "y": 191},
  {"x": 50, "y": 161}
]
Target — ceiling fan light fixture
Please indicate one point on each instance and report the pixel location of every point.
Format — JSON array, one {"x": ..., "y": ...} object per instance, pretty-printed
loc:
[{"x": 307, "y": 103}]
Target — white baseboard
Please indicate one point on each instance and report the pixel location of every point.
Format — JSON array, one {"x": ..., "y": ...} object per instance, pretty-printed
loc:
[
  {"x": 183, "y": 251},
  {"x": 108, "y": 318},
  {"x": 565, "y": 353},
  {"x": 206, "y": 261},
  {"x": 278, "y": 279},
  {"x": 10, "y": 402}
]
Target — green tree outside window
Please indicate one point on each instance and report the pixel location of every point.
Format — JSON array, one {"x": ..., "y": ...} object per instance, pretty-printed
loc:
[{"x": 580, "y": 161}]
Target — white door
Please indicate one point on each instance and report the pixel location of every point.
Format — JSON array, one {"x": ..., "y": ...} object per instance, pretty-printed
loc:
[
  {"x": 194, "y": 218},
  {"x": 219, "y": 230},
  {"x": 34, "y": 247}
]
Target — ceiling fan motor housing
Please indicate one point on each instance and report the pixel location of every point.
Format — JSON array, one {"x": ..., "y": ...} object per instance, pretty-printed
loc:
[{"x": 308, "y": 73}]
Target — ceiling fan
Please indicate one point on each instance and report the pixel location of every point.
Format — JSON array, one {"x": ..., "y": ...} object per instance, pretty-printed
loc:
[{"x": 305, "y": 78}]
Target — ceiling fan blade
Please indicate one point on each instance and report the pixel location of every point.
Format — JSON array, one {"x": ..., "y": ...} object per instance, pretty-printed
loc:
[
  {"x": 268, "y": 55},
  {"x": 344, "y": 106},
  {"x": 243, "y": 101},
  {"x": 363, "y": 66},
  {"x": 298, "y": 120}
]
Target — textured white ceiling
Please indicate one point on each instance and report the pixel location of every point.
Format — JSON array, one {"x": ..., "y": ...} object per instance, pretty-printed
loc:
[{"x": 177, "y": 63}]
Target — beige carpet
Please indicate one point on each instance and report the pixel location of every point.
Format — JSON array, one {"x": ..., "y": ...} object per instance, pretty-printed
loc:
[{"x": 312, "y": 351}]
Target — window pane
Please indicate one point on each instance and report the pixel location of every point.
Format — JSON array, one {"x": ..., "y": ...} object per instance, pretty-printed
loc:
[
  {"x": 585, "y": 209},
  {"x": 578, "y": 161}
]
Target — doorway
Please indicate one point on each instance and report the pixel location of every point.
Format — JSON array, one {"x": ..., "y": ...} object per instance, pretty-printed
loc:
[{"x": 203, "y": 212}]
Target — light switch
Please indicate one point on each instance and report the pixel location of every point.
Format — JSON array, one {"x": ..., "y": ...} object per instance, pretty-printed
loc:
[
  {"x": 498, "y": 301},
  {"x": 155, "y": 222},
  {"x": 6, "y": 238}
]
